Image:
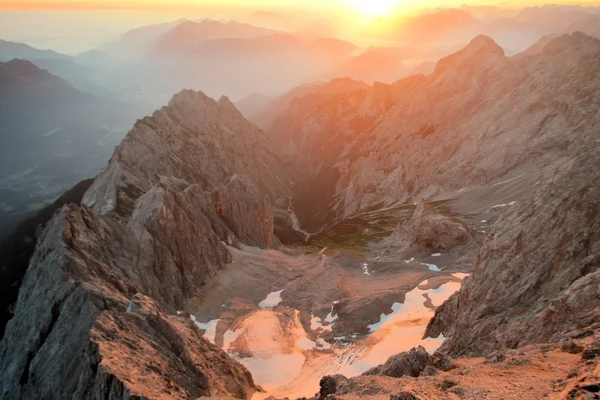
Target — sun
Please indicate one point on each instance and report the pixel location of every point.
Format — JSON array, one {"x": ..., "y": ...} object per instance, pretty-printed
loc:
[{"x": 376, "y": 7}]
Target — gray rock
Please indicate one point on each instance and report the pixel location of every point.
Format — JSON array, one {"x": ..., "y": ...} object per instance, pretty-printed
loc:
[
  {"x": 537, "y": 274},
  {"x": 331, "y": 385},
  {"x": 428, "y": 230},
  {"x": 404, "y": 395},
  {"x": 411, "y": 363},
  {"x": 95, "y": 314}
]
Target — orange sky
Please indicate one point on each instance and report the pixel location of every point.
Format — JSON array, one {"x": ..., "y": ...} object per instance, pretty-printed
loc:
[{"x": 280, "y": 4}]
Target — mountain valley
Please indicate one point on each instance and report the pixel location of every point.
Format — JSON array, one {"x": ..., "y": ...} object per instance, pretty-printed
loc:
[{"x": 433, "y": 237}]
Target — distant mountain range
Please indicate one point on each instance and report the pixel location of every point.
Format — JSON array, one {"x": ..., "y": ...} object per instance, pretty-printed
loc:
[
  {"x": 52, "y": 137},
  {"x": 188, "y": 35},
  {"x": 12, "y": 50}
]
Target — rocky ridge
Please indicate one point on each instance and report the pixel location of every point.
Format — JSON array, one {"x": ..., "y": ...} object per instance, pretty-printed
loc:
[
  {"x": 97, "y": 305},
  {"x": 427, "y": 135}
]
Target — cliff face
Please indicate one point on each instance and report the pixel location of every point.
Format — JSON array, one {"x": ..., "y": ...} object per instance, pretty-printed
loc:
[
  {"x": 479, "y": 117},
  {"x": 537, "y": 276},
  {"x": 95, "y": 314}
]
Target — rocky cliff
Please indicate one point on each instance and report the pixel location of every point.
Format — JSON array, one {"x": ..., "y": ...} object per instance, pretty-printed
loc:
[
  {"x": 96, "y": 314},
  {"x": 537, "y": 275},
  {"x": 479, "y": 117}
]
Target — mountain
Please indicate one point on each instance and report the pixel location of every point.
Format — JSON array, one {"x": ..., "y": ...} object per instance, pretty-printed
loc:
[
  {"x": 80, "y": 76},
  {"x": 436, "y": 25},
  {"x": 365, "y": 237},
  {"x": 196, "y": 166},
  {"x": 239, "y": 67},
  {"x": 277, "y": 21},
  {"x": 187, "y": 35},
  {"x": 530, "y": 24},
  {"x": 278, "y": 107},
  {"x": 488, "y": 13},
  {"x": 379, "y": 64},
  {"x": 16, "y": 250},
  {"x": 53, "y": 136},
  {"x": 538, "y": 46},
  {"x": 589, "y": 25},
  {"x": 545, "y": 253},
  {"x": 453, "y": 96},
  {"x": 12, "y": 50},
  {"x": 137, "y": 42},
  {"x": 507, "y": 145}
]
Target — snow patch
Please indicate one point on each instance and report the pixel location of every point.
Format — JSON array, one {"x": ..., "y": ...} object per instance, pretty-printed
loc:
[
  {"x": 209, "y": 327},
  {"x": 271, "y": 301},
  {"x": 432, "y": 267},
  {"x": 512, "y": 203},
  {"x": 365, "y": 267},
  {"x": 460, "y": 275}
]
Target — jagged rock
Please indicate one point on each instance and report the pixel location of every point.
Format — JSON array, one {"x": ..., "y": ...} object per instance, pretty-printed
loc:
[
  {"x": 404, "y": 395},
  {"x": 411, "y": 363},
  {"x": 331, "y": 385},
  {"x": 17, "y": 249},
  {"x": 448, "y": 383},
  {"x": 480, "y": 117},
  {"x": 569, "y": 346},
  {"x": 538, "y": 273},
  {"x": 592, "y": 351},
  {"x": 430, "y": 371},
  {"x": 442, "y": 362},
  {"x": 428, "y": 230},
  {"x": 94, "y": 318},
  {"x": 495, "y": 357}
]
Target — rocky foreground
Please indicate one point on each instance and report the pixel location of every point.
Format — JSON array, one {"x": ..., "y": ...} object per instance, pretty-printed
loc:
[
  {"x": 96, "y": 315},
  {"x": 568, "y": 370}
]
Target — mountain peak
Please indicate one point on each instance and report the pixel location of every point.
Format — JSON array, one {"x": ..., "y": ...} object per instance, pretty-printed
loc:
[
  {"x": 570, "y": 41},
  {"x": 482, "y": 49},
  {"x": 188, "y": 96},
  {"x": 483, "y": 44}
]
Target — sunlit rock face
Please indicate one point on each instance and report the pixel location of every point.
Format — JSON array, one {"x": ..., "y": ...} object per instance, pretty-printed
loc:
[
  {"x": 536, "y": 277},
  {"x": 107, "y": 276},
  {"x": 479, "y": 117}
]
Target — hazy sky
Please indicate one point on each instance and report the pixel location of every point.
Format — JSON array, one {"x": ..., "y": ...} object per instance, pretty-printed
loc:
[
  {"x": 147, "y": 4},
  {"x": 73, "y": 26}
]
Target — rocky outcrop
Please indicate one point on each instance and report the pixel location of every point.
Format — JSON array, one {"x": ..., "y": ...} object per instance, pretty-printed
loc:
[
  {"x": 432, "y": 231},
  {"x": 537, "y": 275},
  {"x": 95, "y": 316},
  {"x": 412, "y": 363}
]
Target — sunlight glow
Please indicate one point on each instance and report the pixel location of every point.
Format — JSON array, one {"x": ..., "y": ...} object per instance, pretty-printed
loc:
[{"x": 377, "y": 7}]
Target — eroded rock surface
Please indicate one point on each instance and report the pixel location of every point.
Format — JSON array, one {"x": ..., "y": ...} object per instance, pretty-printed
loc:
[
  {"x": 479, "y": 117},
  {"x": 412, "y": 363},
  {"x": 95, "y": 316},
  {"x": 537, "y": 275},
  {"x": 428, "y": 230}
]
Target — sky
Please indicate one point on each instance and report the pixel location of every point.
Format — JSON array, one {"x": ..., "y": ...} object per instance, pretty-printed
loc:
[
  {"x": 280, "y": 4},
  {"x": 74, "y": 26}
]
